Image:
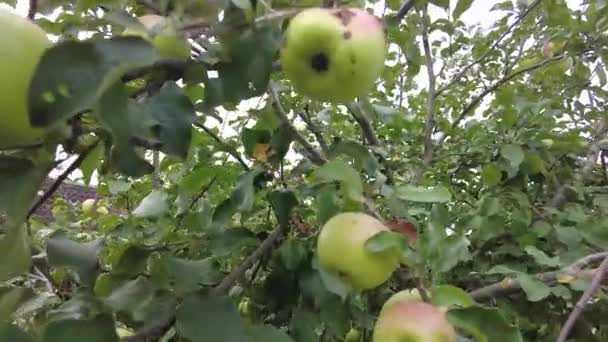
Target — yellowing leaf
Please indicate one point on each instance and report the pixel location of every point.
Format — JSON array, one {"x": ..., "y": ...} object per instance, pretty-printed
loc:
[{"x": 261, "y": 152}]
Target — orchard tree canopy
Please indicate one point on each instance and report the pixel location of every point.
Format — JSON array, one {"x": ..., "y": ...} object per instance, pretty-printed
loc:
[{"x": 458, "y": 150}]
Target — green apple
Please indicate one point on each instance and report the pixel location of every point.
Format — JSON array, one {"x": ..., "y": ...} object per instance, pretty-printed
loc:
[
  {"x": 341, "y": 251},
  {"x": 88, "y": 206},
  {"x": 162, "y": 34},
  {"x": 103, "y": 211},
  {"x": 23, "y": 44},
  {"x": 333, "y": 55},
  {"x": 413, "y": 321}
]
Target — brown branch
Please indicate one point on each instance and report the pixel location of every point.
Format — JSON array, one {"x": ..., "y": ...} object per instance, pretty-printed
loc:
[
  {"x": 404, "y": 9},
  {"x": 314, "y": 155},
  {"x": 487, "y": 53},
  {"x": 153, "y": 332},
  {"x": 469, "y": 107},
  {"x": 369, "y": 134},
  {"x": 53, "y": 188},
  {"x": 227, "y": 148},
  {"x": 430, "y": 104},
  {"x": 237, "y": 273},
  {"x": 512, "y": 285},
  {"x": 582, "y": 302},
  {"x": 31, "y": 13},
  {"x": 315, "y": 130}
]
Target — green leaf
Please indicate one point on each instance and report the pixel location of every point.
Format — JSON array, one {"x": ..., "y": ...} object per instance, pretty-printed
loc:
[
  {"x": 386, "y": 241},
  {"x": 153, "y": 205},
  {"x": 485, "y": 324},
  {"x": 445, "y": 4},
  {"x": 130, "y": 295},
  {"x": 362, "y": 158},
  {"x": 424, "y": 195},
  {"x": 334, "y": 284},
  {"x": 98, "y": 329},
  {"x": 12, "y": 333},
  {"x": 10, "y": 299},
  {"x": 338, "y": 171},
  {"x": 20, "y": 179},
  {"x": 303, "y": 325},
  {"x": 535, "y": 289},
  {"x": 202, "y": 319},
  {"x": 226, "y": 241},
  {"x": 132, "y": 261},
  {"x": 246, "y": 72},
  {"x": 241, "y": 199},
  {"x": 16, "y": 255},
  {"x": 450, "y": 296},
  {"x": 92, "y": 162},
  {"x": 293, "y": 253},
  {"x": 453, "y": 250},
  {"x": 82, "y": 257},
  {"x": 491, "y": 175},
  {"x": 283, "y": 203},
  {"x": 327, "y": 203},
  {"x": 268, "y": 333},
  {"x": 514, "y": 154},
  {"x": 169, "y": 117},
  {"x": 541, "y": 258},
  {"x": 72, "y": 75},
  {"x": 595, "y": 232},
  {"x": 461, "y": 7},
  {"x": 190, "y": 275}
]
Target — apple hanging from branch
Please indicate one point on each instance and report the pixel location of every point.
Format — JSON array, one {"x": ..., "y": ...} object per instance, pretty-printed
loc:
[
  {"x": 333, "y": 55},
  {"x": 342, "y": 252}
]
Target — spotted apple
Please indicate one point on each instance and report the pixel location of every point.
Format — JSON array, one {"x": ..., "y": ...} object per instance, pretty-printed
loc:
[
  {"x": 23, "y": 44},
  {"x": 333, "y": 55},
  {"x": 341, "y": 251},
  {"x": 412, "y": 320}
]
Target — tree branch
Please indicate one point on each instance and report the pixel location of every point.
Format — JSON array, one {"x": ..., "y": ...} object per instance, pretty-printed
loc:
[
  {"x": 430, "y": 104},
  {"x": 469, "y": 107},
  {"x": 31, "y": 13},
  {"x": 404, "y": 10},
  {"x": 314, "y": 156},
  {"x": 487, "y": 53},
  {"x": 262, "y": 249},
  {"x": 227, "y": 148},
  {"x": 53, "y": 188},
  {"x": 582, "y": 302},
  {"x": 369, "y": 134},
  {"x": 315, "y": 130},
  {"x": 512, "y": 285}
]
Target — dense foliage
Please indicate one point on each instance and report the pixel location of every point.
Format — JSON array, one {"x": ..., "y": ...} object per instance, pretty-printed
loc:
[{"x": 482, "y": 148}]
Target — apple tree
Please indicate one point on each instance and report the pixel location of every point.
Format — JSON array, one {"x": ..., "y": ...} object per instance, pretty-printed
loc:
[{"x": 281, "y": 170}]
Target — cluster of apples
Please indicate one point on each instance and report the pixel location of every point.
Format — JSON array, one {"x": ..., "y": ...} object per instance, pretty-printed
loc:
[
  {"x": 404, "y": 317},
  {"x": 333, "y": 54}
]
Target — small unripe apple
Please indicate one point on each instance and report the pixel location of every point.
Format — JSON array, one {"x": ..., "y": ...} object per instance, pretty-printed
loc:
[
  {"x": 88, "y": 206},
  {"x": 162, "y": 34},
  {"x": 333, "y": 55},
  {"x": 103, "y": 211},
  {"x": 341, "y": 251},
  {"x": 414, "y": 321},
  {"x": 23, "y": 44}
]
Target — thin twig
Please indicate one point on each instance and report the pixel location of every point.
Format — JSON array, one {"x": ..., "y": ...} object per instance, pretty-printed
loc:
[
  {"x": 469, "y": 107},
  {"x": 490, "y": 49},
  {"x": 430, "y": 103},
  {"x": 229, "y": 149},
  {"x": 314, "y": 155},
  {"x": 53, "y": 188},
  {"x": 512, "y": 285},
  {"x": 582, "y": 302}
]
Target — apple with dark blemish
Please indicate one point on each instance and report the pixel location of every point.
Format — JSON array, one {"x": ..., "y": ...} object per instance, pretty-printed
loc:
[{"x": 333, "y": 55}]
